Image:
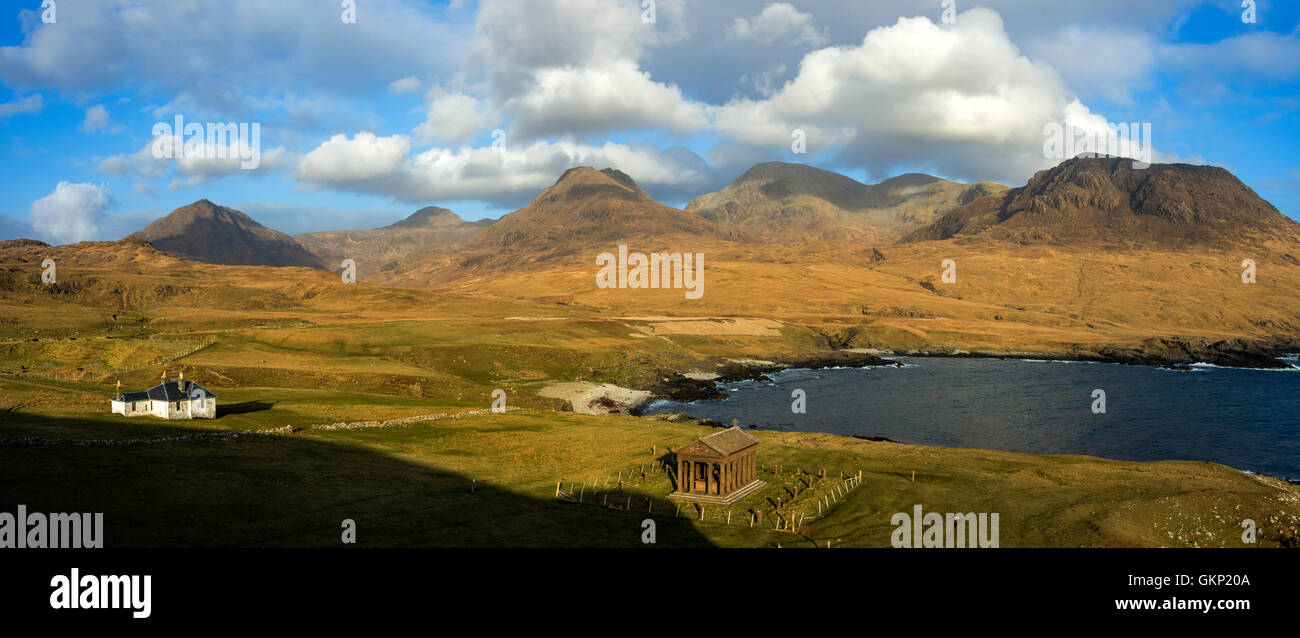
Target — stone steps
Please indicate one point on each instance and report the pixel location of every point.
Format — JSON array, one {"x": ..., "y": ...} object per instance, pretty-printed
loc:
[{"x": 714, "y": 499}]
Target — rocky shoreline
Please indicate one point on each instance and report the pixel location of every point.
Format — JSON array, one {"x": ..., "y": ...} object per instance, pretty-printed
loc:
[
  {"x": 1175, "y": 353},
  {"x": 681, "y": 387}
]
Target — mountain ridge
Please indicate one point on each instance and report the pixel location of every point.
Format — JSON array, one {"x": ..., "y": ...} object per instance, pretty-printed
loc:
[
  {"x": 1090, "y": 200},
  {"x": 207, "y": 232},
  {"x": 787, "y": 202},
  {"x": 429, "y": 231}
]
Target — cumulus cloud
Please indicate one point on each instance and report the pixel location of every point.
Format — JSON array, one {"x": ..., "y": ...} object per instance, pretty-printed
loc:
[
  {"x": 615, "y": 96},
  {"x": 362, "y": 159},
  {"x": 778, "y": 22},
  {"x": 961, "y": 98},
  {"x": 536, "y": 34},
  {"x": 96, "y": 119},
  {"x": 69, "y": 214},
  {"x": 508, "y": 175},
  {"x": 456, "y": 118},
  {"x": 106, "y": 44},
  {"x": 408, "y": 84},
  {"x": 560, "y": 76},
  {"x": 29, "y": 104},
  {"x": 197, "y": 161},
  {"x": 570, "y": 67}
]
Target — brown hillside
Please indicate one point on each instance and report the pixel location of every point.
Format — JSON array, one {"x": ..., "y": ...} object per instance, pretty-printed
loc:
[
  {"x": 428, "y": 232},
  {"x": 1088, "y": 201},
  {"x": 584, "y": 213},
  {"x": 206, "y": 232},
  {"x": 782, "y": 202}
]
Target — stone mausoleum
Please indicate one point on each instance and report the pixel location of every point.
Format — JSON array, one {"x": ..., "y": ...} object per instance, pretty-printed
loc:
[{"x": 720, "y": 468}]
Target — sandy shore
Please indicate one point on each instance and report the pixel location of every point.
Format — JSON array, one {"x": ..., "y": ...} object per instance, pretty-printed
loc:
[{"x": 596, "y": 398}]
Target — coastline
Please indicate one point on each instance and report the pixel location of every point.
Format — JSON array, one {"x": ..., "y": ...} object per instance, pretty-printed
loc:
[
  {"x": 713, "y": 388},
  {"x": 694, "y": 386}
]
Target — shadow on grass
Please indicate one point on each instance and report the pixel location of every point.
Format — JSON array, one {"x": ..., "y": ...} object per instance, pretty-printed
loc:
[
  {"x": 243, "y": 408},
  {"x": 296, "y": 491}
]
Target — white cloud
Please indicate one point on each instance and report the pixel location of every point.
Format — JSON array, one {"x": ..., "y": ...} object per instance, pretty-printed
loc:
[
  {"x": 595, "y": 99},
  {"x": 960, "y": 98},
  {"x": 778, "y": 22},
  {"x": 408, "y": 84},
  {"x": 536, "y": 34},
  {"x": 29, "y": 104},
  {"x": 570, "y": 67},
  {"x": 456, "y": 118},
  {"x": 244, "y": 46},
  {"x": 560, "y": 75},
  {"x": 69, "y": 214},
  {"x": 506, "y": 176},
  {"x": 200, "y": 161},
  {"x": 96, "y": 119},
  {"x": 362, "y": 159}
]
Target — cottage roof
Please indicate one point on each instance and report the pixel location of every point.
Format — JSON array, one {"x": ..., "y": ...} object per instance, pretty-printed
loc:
[
  {"x": 724, "y": 443},
  {"x": 170, "y": 391}
]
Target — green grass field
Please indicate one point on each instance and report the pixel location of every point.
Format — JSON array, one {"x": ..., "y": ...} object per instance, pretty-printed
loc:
[
  {"x": 489, "y": 480},
  {"x": 292, "y": 354}
]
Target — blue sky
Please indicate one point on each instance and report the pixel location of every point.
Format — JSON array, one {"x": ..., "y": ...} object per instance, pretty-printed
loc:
[{"x": 363, "y": 122}]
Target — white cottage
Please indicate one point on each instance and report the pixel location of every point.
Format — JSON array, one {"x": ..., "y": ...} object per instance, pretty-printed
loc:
[{"x": 179, "y": 399}]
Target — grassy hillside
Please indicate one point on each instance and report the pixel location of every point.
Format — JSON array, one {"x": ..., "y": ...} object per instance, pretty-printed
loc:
[
  {"x": 286, "y": 348},
  {"x": 490, "y": 480}
]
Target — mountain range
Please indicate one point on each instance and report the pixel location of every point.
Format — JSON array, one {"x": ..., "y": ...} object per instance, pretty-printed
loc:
[
  {"x": 1081, "y": 202},
  {"x": 780, "y": 202},
  {"x": 427, "y": 232},
  {"x": 1090, "y": 258}
]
